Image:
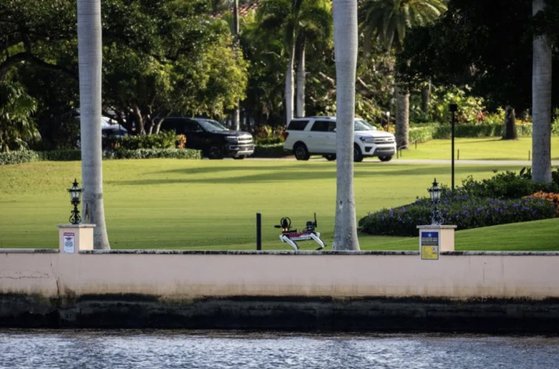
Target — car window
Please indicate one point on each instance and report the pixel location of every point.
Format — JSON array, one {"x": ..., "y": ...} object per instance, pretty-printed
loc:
[
  {"x": 363, "y": 125},
  {"x": 212, "y": 125},
  {"x": 297, "y": 125},
  {"x": 323, "y": 126}
]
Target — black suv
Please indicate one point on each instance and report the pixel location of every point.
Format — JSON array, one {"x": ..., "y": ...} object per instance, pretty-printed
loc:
[{"x": 211, "y": 137}]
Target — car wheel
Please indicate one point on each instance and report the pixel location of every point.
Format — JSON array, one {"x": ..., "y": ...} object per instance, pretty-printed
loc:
[
  {"x": 357, "y": 154},
  {"x": 385, "y": 158},
  {"x": 301, "y": 152},
  {"x": 239, "y": 157},
  {"x": 330, "y": 157},
  {"x": 214, "y": 152}
]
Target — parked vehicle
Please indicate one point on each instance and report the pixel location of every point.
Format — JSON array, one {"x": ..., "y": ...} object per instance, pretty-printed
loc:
[
  {"x": 211, "y": 137},
  {"x": 109, "y": 128},
  {"x": 317, "y": 135}
]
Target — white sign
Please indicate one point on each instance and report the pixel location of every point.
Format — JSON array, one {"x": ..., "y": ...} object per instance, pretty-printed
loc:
[{"x": 69, "y": 239}]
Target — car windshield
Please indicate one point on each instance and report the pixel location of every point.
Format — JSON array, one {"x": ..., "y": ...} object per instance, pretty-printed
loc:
[
  {"x": 212, "y": 125},
  {"x": 362, "y": 125}
]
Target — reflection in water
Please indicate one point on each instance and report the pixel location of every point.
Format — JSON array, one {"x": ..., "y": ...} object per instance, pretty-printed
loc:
[{"x": 210, "y": 349}]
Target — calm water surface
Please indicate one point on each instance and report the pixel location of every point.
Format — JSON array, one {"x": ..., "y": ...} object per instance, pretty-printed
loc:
[{"x": 210, "y": 349}]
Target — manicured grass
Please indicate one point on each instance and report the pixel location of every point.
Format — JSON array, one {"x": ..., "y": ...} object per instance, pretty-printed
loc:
[
  {"x": 211, "y": 205},
  {"x": 487, "y": 148},
  {"x": 541, "y": 235}
]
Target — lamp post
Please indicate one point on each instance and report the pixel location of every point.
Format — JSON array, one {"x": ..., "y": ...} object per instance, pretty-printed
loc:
[
  {"x": 435, "y": 194},
  {"x": 453, "y": 108},
  {"x": 75, "y": 197}
]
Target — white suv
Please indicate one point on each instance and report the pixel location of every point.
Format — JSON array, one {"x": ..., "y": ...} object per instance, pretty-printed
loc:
[{"x": 317, "y": 135}]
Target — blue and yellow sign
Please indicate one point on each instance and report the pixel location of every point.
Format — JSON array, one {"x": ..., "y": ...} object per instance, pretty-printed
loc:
[{"x": 429, "y": 245}]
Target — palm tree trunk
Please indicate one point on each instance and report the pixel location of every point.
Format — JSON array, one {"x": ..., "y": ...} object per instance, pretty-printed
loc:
[
  {"x": 300, "y": 107},
  {"x": 90, "y": 58},
  {"x": 345, "y": 45},
  {"x": 402, "y": 117},
  {"x": 541, "y": 104},
  {"x": 289, "y": 87}
]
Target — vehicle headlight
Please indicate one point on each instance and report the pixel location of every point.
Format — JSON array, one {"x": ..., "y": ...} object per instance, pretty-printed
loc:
[
  {"x": 232, "y": 139},
  {"x": 367, "y": 139}
]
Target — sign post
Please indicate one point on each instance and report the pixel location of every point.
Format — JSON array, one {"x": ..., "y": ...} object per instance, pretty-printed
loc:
[{"x": 434, "y": 239}]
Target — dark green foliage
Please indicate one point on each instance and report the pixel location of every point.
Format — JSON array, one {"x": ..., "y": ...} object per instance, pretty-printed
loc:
[
  {"x": 508, "y": 185},
  {"x": 18, "y": 157},
  {"x": 153, "y": 154},
  {"x": 60, "y": 155},
  {"x": 427, "y": 131},
  {"x": 25, "y": 156},
  {"x": 422, "y": 132},
  {"x": 270, "y": 151},
  {"x": 162, "y": 140},
  {"x": 462, "y": 210},
  {"x": 497, "y": 200}
]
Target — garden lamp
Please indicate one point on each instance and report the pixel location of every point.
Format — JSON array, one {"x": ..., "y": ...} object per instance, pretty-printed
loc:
[
  {"x": 435, "y": 194},
  {"x": 75, "y": 197}
]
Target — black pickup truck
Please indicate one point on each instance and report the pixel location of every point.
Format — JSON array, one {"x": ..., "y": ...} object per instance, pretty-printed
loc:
[{"x": 211, "y": 137}]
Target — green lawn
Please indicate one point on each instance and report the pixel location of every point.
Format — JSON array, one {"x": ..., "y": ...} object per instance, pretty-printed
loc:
[
  {"x": 487, "y": 148},
  {"x": 211, "y": 205}
]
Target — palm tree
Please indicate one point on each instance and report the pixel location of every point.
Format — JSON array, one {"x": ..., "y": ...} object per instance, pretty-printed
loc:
[
  {"x": 16, "y": 126},
  {"x": 387, "y": 21},
  {"x": 345, "y": 48},
  {"x": 299, "y": 22},
  {"x": 89, "y": 55},
  {"x": 541, "y": 103}
]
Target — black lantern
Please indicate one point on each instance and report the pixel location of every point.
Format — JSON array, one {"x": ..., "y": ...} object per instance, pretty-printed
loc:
[
  {"x": 435, "y": 194},
  {"x": 75, "y": 199}
]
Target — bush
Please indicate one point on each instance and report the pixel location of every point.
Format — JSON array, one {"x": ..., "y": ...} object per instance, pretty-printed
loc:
[
  {"x": 422, "y": 132},
  {"x": 161, "y": 140},
  {"x": 463, "y": 210},
  {"x": 18, "y": 157},
  {"x": 270, "y": 151},
  {"x": 153, "y": 153},
  {"x": 507, "y": 197},
  {"x": 549, "y": 196},
  {"x": 60, "y": 155},
  {"x": 508, "y": 185}
]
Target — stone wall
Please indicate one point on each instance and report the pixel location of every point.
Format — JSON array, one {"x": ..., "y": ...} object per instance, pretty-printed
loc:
[{"x": 468, "y": 291}]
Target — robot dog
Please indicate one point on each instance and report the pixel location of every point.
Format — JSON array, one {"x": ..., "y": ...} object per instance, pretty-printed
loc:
[{"x": 290, "y": 236}]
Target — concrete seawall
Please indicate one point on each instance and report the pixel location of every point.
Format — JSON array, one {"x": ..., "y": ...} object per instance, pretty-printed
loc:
[{"x": 373, "y": 291}]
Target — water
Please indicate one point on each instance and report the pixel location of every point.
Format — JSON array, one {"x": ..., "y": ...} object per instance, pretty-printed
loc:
[{"x": 209, "y": 349}]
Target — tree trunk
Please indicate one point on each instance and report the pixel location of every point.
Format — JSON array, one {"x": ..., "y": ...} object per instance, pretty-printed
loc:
[
  {"x": 426, "y": 98},
  {"x": 90, "y": 58},
  {"x": 300, "y": 107},
  {"x": 345, "y": 45},
  {"x": 402, "y": 117},
  {"x": 541, "y": 104},
  {"x": 509, "y": 133},
  {"x": 289, "y": 88}
]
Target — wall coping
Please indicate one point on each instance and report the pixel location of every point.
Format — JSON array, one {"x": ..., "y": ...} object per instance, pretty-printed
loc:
[{"x": 279, "y": 253}]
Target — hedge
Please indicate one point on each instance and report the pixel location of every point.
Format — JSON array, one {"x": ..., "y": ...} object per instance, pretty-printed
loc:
[
  {"x": 427, "y": 131},
  {"x": 18, "y": 157},
  {"x": 464, "y": 211},
  {"x": 25, "y": 156},
  {"x": 153, "y": 154},
  {"x": 270, "y": 151}
]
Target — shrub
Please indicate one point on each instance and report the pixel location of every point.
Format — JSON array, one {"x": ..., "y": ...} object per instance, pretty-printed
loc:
[
  {"x": 153, "y": 153},
  {"x": 508, "y": 185},
  {"x": 462, "y": 210},
  {"x": 270, "y": 151},
  {"x": 161, "y": 140},
  {"x": 60, "y": 155},
  {"x": 422, "y": 132},
  {"x": 18, "y": 157},
  {"x": 549, "y": 196}
]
